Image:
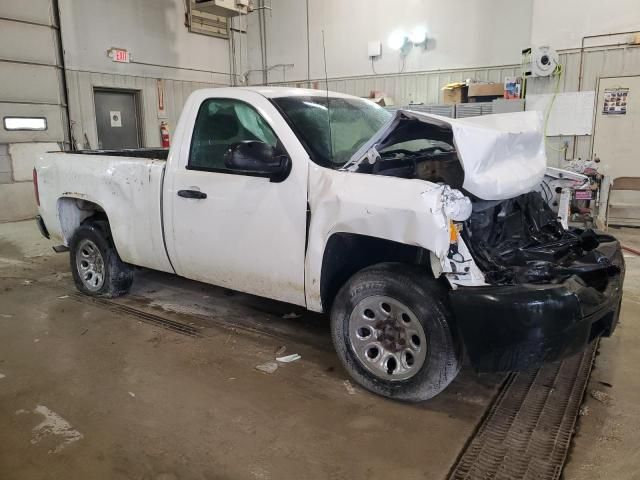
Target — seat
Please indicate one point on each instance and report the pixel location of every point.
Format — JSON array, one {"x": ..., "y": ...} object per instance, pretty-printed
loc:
[{"x": 623, "y": 184}]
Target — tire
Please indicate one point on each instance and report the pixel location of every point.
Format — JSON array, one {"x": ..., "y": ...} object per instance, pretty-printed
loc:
[
  {"x": 95, "y": 264},
  {"x": 411, "y": 322}
]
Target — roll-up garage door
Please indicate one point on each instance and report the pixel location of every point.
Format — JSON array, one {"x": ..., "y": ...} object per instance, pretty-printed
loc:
[{"x": 30, "y": 74}]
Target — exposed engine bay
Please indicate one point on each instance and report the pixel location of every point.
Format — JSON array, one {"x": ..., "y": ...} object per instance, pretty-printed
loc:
[
  {"x": 518, "y": 240},
  {"x": 521, "y": 241},
  {"x": 492, "y": 157},
  {"x": 418, "y": 150}
]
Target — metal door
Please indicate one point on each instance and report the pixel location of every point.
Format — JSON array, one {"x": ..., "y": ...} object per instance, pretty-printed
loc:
[
  {"x": 245, "y": 233},
  {"x": 617, "y": 143},
  {"x": 117, "y": 119}
]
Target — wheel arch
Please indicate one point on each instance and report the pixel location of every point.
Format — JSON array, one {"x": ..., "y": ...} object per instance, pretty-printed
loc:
[
  {"x": 73, "y": 212},
  {"x": 345, "y": 254}
]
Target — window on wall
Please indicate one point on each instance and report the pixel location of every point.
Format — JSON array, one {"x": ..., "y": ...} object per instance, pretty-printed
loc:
[
  {"x": 206, "y": 23},
  {"x": 25, "y": 123}
]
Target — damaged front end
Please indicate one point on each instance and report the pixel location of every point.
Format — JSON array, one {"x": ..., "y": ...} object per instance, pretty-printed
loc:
[
  {"x": 550, "y": 291},
  {"x": 525, "y": 290},
  {"x": 521, "y": 241}
]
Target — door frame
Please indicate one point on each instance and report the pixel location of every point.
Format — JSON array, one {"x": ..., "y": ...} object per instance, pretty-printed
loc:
[
  {"x": 603, "y": 194},
  {"x": 137, "y": 103},
  {"x": 597, "y": 104},
  {"x": 176, "y": 175}
]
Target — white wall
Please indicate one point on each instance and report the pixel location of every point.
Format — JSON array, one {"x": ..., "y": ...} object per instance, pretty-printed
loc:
[
  {"x": 152, "y": 30},
  {"x": 466, "y": 33},
  {"x": 563, "y": 24},
  {"x": 160, "y": 46}
]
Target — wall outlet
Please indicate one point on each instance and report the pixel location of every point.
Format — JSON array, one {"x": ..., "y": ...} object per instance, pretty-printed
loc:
[{"x": 375, "y": 48}]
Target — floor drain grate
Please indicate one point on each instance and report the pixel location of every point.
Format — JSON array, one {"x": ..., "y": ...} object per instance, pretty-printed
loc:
[
  {"x": 527, "y": 432},
  {"x": 157, "y": 320}
]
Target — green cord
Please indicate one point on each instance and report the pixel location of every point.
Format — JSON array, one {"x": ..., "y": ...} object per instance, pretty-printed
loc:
[{"x": 558, "y": 71}]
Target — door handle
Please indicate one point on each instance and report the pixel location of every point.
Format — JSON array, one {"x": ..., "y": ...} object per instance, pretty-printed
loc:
[{"x": 192, "y": 194}]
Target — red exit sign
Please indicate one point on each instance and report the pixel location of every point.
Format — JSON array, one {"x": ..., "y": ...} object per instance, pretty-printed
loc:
[{"x": 119, "y": 55}]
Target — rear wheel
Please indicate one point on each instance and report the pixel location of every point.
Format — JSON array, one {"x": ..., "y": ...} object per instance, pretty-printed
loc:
[
  {"x": 392, "y": 330},
  {"x": 95, "y": 264}
]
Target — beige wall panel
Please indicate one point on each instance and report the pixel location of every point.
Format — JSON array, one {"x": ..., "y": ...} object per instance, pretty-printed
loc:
[
  {"x": 37, "y": 11},
  {"x": 24, "y": 42},
  {"x": 53, "y": 114},
  {"x": 29, "y": 83},
  {"x": 17, "y": 201}
]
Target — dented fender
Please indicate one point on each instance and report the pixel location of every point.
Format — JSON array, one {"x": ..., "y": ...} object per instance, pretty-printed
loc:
[{"x": 412, "y": 212}]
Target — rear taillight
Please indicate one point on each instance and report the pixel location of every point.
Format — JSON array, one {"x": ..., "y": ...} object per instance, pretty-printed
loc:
[{"x": 35, "y": 186}]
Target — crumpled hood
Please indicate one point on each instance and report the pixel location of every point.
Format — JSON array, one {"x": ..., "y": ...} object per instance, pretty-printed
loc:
[{"x": 502, "y": 155}]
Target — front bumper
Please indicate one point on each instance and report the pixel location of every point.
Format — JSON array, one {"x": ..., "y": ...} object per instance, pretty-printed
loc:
[{"x": 515, "y": 327}]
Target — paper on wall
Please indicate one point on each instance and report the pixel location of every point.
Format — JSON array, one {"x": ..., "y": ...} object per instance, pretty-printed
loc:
[{"x": 571, "y": 114}]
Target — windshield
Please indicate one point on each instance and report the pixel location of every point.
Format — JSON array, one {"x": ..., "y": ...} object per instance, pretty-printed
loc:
[{"x": 353, "y": 122}]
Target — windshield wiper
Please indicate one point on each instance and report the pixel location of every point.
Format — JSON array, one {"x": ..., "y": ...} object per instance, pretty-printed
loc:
[{"x": 415, "y": 153}]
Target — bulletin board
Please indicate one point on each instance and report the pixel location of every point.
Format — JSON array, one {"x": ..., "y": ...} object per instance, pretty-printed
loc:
[
  {"x": 615, "y": 101},
  {"x": 571, "y": 114}
]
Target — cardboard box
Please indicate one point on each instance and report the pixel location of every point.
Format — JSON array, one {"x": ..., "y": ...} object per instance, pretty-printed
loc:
[
  {"x": 486, "y": 90},
  {"x": 383, "y": 101},
  {"x": 381, "y": 98},
  {"x": 456, "y": 95}
]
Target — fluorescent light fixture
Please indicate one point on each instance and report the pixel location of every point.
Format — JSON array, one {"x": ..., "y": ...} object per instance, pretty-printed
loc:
[
  {"x": 418, "y": 35},
  {"x": 397, "y": 40},
  {"x": 25, "y": 123}
]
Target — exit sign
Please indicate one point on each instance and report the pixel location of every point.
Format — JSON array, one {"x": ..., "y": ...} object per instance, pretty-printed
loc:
[{"x": 119, "y": 55}]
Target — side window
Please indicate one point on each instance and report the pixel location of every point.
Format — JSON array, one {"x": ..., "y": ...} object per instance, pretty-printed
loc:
[{"x": 221, "y": 123}]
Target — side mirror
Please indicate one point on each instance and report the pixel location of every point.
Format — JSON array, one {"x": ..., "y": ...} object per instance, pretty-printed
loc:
[{"x": 254, "y": 157}]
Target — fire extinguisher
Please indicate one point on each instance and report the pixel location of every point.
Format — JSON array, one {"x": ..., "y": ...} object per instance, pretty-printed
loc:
[{"x": 164, "y": 134}]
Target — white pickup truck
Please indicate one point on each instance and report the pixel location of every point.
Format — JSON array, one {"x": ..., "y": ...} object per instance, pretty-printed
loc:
[{"x": 425, "y": 238}]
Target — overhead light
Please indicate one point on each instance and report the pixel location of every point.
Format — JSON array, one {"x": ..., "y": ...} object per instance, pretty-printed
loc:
[
  {"x": 418, "y": 35},
  {"x": 397, "y": 40}
]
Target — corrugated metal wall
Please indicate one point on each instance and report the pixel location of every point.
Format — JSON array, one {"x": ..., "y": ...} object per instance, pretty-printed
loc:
[
  {"x": 82, "y": 107},
  {"x": 422, "y": 87},
  {"x": 597, "y": 63}
]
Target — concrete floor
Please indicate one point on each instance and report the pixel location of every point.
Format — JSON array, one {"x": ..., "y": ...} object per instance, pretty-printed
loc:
[
  {"x": 607, "y": 442},
  {"x": 89, "y": 392}
]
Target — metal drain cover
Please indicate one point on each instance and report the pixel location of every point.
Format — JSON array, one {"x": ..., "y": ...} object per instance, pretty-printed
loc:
[
  {"x": 527, "y": 432},
  {"x": 157, "y": 320}
]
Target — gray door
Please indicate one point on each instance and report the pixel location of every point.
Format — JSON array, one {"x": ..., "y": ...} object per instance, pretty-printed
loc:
[
  {"x": 615, "y": 139},
  {"x": 617, "y": 143},
  {"x": 117, "y": 119}
]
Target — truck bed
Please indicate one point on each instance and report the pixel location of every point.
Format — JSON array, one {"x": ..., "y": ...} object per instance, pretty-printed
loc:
[
  {"x": 126, "y": 185},
  {"x": 148, "y": 153}
]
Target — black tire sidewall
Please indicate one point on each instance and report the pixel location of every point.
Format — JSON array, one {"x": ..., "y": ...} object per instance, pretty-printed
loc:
[
  {"x": 424, "y": 296},
  {"x": 117, "y": 275}
]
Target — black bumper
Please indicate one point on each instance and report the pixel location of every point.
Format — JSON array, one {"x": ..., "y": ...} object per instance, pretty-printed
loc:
[
  {"x": 510, "y": 328},
  {"x": 42, "y": 227}
]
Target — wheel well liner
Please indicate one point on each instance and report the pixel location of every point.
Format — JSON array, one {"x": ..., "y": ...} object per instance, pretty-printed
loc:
[
  {"x": 73, "y": 212},
  {"x": 347, "y": 253}
]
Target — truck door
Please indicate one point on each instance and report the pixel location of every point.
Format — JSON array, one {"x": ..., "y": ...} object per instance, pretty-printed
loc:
[{"x": 238, "y": 231}]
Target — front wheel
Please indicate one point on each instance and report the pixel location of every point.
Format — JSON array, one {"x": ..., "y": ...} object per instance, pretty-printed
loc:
[
  {"x": 95, "y": 264},
  {"x": 391, "y": 327}
]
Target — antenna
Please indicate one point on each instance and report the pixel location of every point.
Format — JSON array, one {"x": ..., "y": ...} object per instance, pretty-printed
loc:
[{"x": 326, "y": 83}]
